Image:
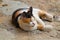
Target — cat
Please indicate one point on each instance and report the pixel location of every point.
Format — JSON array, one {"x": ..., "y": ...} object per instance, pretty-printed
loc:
[{"x": 30, "y": 19}]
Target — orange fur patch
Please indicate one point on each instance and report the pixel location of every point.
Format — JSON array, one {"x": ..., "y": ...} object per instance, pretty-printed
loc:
[
  {"x": 40, "y": 27},
  {"x": 26, "y": 20},
  {"x": 42, "y": 14},
  {"x": 17, "y": 13}
]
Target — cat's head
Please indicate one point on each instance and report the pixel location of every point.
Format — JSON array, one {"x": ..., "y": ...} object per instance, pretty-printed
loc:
[{"x": 27, "y": 18}]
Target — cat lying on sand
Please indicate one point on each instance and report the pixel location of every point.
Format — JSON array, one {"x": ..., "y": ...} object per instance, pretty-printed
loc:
[{"x": 30, "y": 19}]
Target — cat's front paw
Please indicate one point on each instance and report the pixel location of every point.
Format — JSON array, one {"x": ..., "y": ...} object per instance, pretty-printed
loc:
[
  {"x": 48, "y": 28},
  {"x": 50, "y": 19}
]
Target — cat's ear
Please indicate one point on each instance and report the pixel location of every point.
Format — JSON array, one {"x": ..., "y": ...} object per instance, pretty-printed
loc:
[
  {"x": 24, "y": 14},
  {"x": 30, "y": 10}
]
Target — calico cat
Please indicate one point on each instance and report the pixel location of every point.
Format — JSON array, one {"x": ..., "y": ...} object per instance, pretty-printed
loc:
[{"x": 30, "y": 19}]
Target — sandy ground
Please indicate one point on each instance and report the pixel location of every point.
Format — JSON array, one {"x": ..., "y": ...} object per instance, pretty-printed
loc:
[{"x": 9, "y": 32}]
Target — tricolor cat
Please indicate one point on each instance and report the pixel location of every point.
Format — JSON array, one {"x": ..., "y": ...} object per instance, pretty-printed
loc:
[{"x": 30, "y": 19}]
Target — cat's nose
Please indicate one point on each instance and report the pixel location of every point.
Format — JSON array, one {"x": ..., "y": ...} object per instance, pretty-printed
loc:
[{"x": 33, "y": 23}]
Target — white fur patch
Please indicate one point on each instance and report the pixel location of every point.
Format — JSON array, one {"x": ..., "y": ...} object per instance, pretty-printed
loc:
[
  {"x": 48, "y": 28},
  {"x": 36, "y": 15}
]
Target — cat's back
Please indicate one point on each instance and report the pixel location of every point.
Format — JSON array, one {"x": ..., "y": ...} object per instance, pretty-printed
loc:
[{"x": 18, "y": 11}]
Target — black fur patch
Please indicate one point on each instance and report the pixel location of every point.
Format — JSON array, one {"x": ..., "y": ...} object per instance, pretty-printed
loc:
[{"x": 28, "y": 14}]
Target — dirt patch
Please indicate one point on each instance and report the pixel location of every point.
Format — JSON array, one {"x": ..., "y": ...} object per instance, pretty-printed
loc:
[{"x": 9, "y": 32}]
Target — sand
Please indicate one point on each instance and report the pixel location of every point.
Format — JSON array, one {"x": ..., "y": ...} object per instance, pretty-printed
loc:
[{"x": 9, "y": 32}]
